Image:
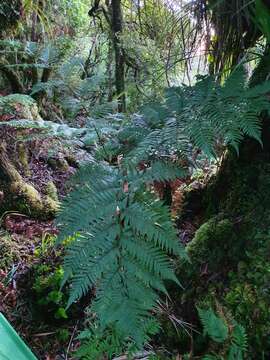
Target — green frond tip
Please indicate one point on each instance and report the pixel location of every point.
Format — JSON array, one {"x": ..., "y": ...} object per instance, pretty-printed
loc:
[{"x": 213, "y": 326}]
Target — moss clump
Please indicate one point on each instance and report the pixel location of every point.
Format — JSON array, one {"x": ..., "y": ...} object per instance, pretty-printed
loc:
[
  {"x": 21, "y": 106},
  {"x": 57, "y": 163},
  {"x": 9, "y": 252},
  {"x": 51, "y": 191},
  {"x": 28, "y": 200},
  {"x": 23, "y": 158},
  {"x": 212, "y": 244},
  {"x": 50, "y": 206},
  {"x": 27, "y": 195},
  {"x": 230, "y": 252},
  {"x": 248, "y": 295}
]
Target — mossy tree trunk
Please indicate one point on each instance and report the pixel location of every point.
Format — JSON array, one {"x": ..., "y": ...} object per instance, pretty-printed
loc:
[{"x": 18, "y": 195}]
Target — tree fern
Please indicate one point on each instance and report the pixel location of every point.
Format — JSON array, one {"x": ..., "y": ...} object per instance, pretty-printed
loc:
[
  {"x": 204, "y": 115},
  {"x": 124, "y": 236}
]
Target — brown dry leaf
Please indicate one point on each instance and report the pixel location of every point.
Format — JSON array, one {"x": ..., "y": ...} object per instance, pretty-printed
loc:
[{"x": 125, "y": 187}]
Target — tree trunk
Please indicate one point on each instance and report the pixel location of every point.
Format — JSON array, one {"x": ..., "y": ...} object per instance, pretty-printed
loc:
[
  {"x": 110, "y": 73},
  {"x": 117, "y": 27}
]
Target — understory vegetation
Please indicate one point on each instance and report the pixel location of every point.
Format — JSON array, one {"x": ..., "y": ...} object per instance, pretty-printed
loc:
[{"x": 134, "y": 178}]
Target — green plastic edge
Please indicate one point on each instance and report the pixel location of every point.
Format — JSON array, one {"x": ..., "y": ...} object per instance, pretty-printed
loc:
[{"x": 12, "y": 346}]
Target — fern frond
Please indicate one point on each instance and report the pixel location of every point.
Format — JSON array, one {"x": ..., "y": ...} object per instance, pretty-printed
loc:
[
  {"x": 213, "y": 326},
  {"x": 123, "y": 238},
  {"x": 204, "y": 115}
]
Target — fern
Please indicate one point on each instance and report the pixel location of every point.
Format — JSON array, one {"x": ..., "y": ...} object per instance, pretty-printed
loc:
[
  {"x": 239, "y": 343},
  {"x": 218, "y": 331},
  {"x": 97, "y": 343},
  {"x": 205, "y": 115},
  {"x": 73, "y": 93},
  {"x": 124, "y": 237},
  {"x": 213, "y": 326}
]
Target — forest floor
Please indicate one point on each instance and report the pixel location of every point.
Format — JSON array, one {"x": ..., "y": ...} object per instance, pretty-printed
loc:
[{"x": 27, "y": 246}]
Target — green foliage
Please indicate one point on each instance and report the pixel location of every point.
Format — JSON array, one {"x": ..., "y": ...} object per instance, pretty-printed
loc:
[
  {"x": 208, "y": 115},
  {"x": 123, "y": 236},
  {"x": 234, "y": 339},
  {"x": 75, "y": 94},
  {"x": 262, "y": 18},
  {"x": 97, "y": 343},
  {"x": 123, "y": 240},
  {"x": 213, "y": 326},
  {"x": 9, "y": 14},
  {"x": 248, "y": 295},
  {"x": 73, "y": 13},
  {"x": 46, "y": 290},
  {"x": 235, "y": 268},
  {"x": 239, "y": 343},
  {"x": 47, "y": 280}
]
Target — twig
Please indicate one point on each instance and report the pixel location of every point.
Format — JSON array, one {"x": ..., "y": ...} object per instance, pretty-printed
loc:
[{"x": 71, "y": 339}]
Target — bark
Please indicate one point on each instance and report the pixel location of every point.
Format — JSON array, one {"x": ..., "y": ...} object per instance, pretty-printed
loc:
[
  {"x": 110, "y": 73},
  {"x": 117, "y": 28},
  {"x": 114, "y": 18},
  {"x": 46, "y": 75},
  {"x": 34, "y": 35}
]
